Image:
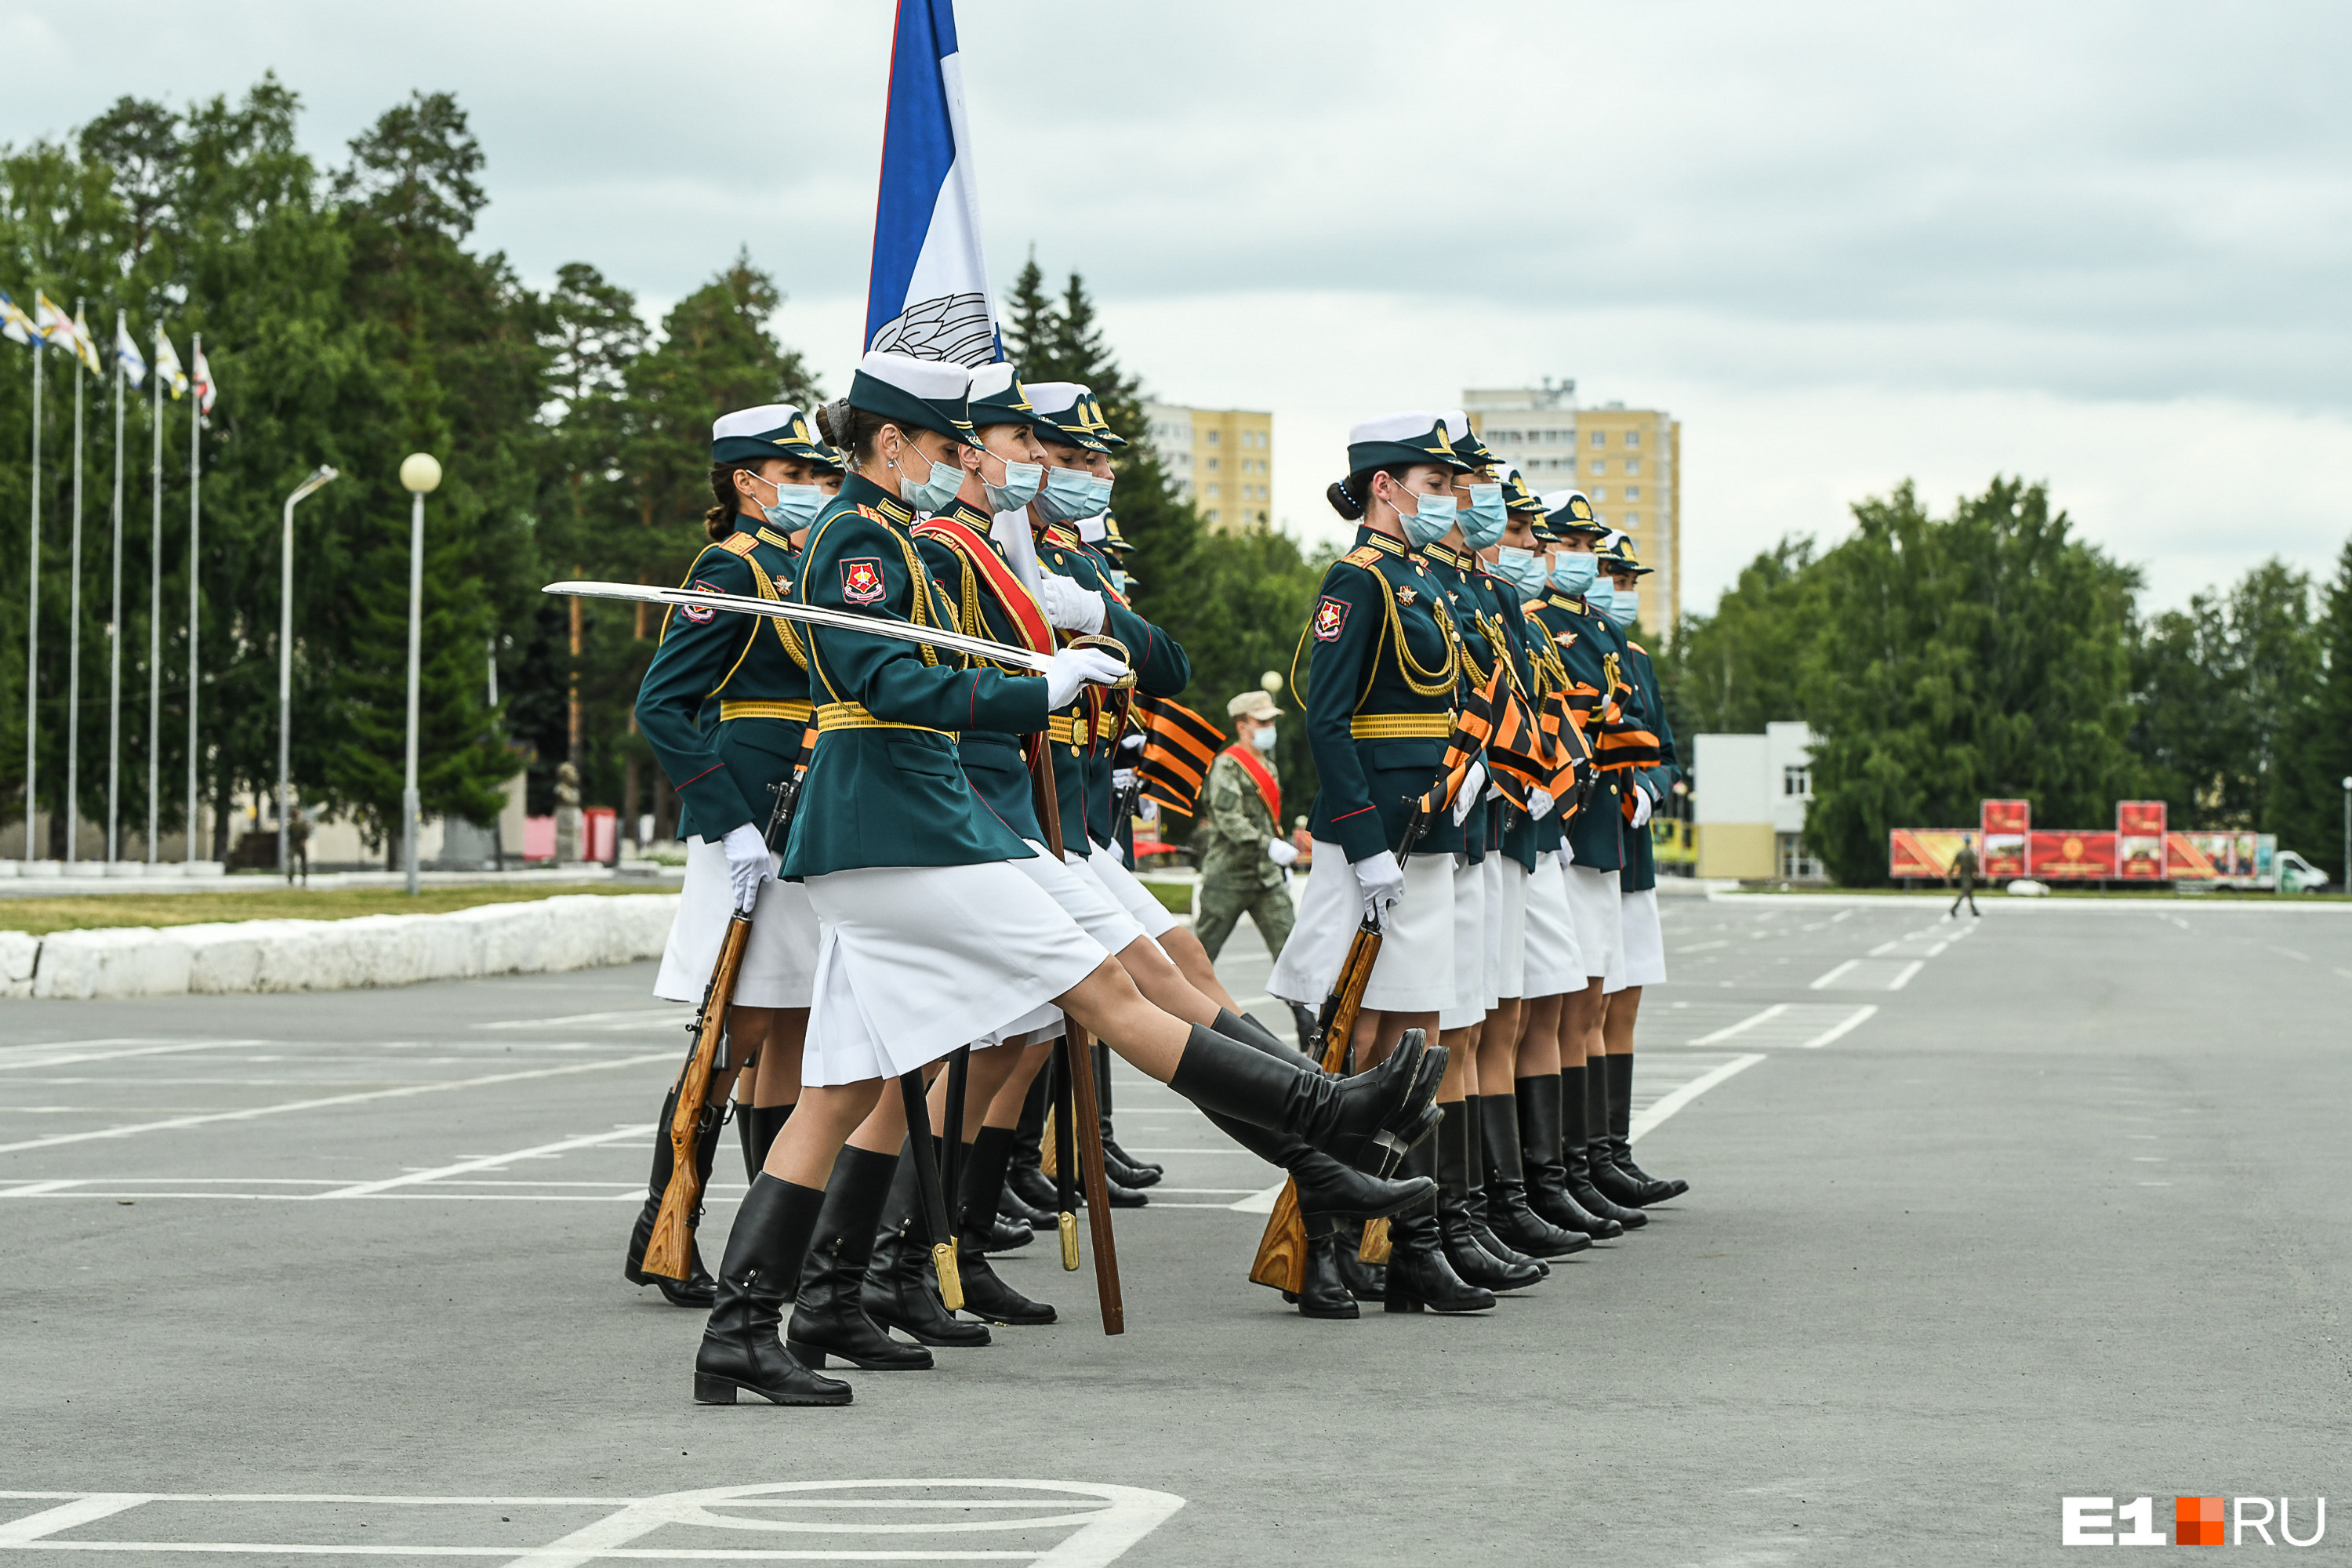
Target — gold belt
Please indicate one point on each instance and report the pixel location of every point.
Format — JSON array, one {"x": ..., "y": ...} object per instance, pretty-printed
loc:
[
  {"x": 796, "y": 711},
  {"x": 1401, "y": 726},
  {"x": 833, "y": 716},
  {"x": 1066, "y": 729}
]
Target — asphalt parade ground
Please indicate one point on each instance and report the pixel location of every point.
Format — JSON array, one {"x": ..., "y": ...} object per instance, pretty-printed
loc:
[{"x": 1982, "y": 1214}]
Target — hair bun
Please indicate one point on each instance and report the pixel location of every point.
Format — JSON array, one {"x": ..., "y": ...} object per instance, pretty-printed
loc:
[
  {"x": 1343, "y": 504},
  {"x": 828, "y": 420}
]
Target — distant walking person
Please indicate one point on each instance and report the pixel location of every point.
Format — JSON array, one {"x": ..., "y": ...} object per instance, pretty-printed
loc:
[
  {"x": 1964, "y": 871},
  {"x": 1245, "y": 858},
  {"x": 297, "y": 846}
]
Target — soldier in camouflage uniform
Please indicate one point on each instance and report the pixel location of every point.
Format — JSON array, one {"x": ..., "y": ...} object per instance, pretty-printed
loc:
[{"x": 1244, "y": 857}]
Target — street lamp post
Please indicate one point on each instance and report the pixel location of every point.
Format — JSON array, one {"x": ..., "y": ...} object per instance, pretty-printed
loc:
[
  {"x": 2347, "y": 885},
  {"x": 319, "y": 476},
  {"x": 420, "y": 474}
]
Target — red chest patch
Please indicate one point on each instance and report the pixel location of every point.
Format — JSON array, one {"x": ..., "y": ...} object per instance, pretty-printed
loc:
[
  {"x": 861, "y": 579},
  {"x": 1329, "y": 617}
]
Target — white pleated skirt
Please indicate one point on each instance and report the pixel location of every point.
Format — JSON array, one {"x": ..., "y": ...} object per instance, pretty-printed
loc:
[
  {"x": 1646, "y": 940},
  {"x": 1507, "y": 929},
  {"x": 1593, "y": 904},
  {"x": 780, "y": 963},
  {"x": 1469, "y": 1003},
  {"x": 917, "y": 959},
  {"x": 1414, "y": 973},
  {"x": 1555, "y": 965},
  {"x": 1077, "y": 886},
  {"x": 1149, "y": 913}
]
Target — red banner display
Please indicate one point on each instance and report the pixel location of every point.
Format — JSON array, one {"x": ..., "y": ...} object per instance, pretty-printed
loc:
[
  {"x": 2140, "y": 841},
  {"x": 2003, "y": 827},
  {"x": 1923, "y": 851},
  {"x": 2070, "y": 856}
]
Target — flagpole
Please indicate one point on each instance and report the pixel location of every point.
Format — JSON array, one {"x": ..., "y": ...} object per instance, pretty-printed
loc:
[
  {"x": 73, "y": 634},
  {"x": 195, "y": 524},
  {"x": 155, "y": 619},
  {"x": 114, "y": 631},
  {"x": 33, "y": 615}
]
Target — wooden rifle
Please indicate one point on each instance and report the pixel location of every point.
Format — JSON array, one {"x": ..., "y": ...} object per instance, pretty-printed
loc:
[
  {"x": 670, "y": 1251},
  {"x": 926, "y": 1183}
]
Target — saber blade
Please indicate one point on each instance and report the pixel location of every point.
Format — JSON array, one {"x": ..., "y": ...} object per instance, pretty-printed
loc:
[{"x": 810, "y": 614}]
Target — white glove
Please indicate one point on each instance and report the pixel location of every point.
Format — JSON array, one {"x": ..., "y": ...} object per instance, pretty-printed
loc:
[
  {"x": 1539, "y": 804},
  {"x": 1468, "y": 798},
  {"x": 1380, "y": 881},
  {"x": 749, "y": 864},
  {"x": 1642, "y": 805},
  {"x": 1076, "y": 667},
  {"x": 1122, "y": 778},
  {"x": 1070, "y": 606},
  {"x": 1131, "y": 742},
  {"x": 1282, "y": 852}
]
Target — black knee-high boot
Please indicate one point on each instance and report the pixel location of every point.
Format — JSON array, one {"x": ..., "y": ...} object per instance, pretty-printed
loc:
[
  {"x": 829, "y": 1318},
  {"x": 899, "y": 1291},
  {"x": 1371, "y": 1117},
  {"x": 1322, "y": 1292},
  {"x": 1024, "y": 1174},
  {"x": 1621, "y": 1130},
  {"x": 1473, "y": 1262},
  {"x": 697, "y": 1289},
  {"x": 1575, "y": 1146},
  {"x": 1547, "y": 1166},
  {"x": 1620, "y": 1187},
  {"x": 1508, "y": 1211},
  {"x": 1475, "y": 1167},
  {"x": 979, "y": 1224},
  {"x": 741, "y": 1350},
  {"x": 1117, "y": 1164},
  {"x": 757, "y": 1126},
  {"x": 985, "y": 1294},
  {"x": 1417, "y": 1275}
]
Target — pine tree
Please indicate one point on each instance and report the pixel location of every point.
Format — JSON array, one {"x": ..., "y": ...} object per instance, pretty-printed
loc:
[{"x": 2317, "y": 748}]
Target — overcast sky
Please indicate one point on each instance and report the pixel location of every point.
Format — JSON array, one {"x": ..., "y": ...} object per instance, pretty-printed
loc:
[{"x": 2104, "y": 245}]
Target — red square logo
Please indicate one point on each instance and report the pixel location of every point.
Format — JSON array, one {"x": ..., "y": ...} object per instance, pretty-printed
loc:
[
  {"x": 2196, "y": 1521},
  {"x": 861, "y": 581},
  {"x": 1329, "y": 617}
]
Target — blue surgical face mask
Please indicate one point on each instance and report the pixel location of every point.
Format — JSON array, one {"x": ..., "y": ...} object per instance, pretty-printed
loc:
[
  {"x": 1069, "y": 495},
  {"x": 1484, "y": 520},
  {"x": 1118, "y": 579},
  {"x": 1022, "y": 483},
  {"x": 796, "y": 507},
  {"x": 1601, "y": 595},
  {"x": 1522, "y": 569},
  {"x": 1573, "y": 573},
  {"x": 1625, "y": 604},
  {"x": 1102, "y": 492},
  {"x": 1262, "y": 738},
  {"x": 1431, "y": 519},
  {"x": 935, "y": 491}
]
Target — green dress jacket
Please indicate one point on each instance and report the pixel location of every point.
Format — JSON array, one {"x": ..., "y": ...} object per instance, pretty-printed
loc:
[
  {"x": 1379, "y": 699},
  {"x": 886, "y": 786},
  {"x": 1593, "y": 653},
  {"x": 726, "y": 699},
  {"x": 1641, "y": 868}
]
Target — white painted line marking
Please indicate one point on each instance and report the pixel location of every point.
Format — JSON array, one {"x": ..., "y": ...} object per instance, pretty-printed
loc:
[
  {"x": 487, "y": 1162},
  {"x": 1667, "y": 1105},
  {"x": 1853, "y": 1021},
  {"x": 1700, "y": 947},
  {"x": 1835, "y": 975},
  {"x": 35, "y": 1189},
  {"x": 1258, "y": 1203},
  {"x": 105, "y": 1051},
  {"x": 633, "y": 1018},
  {"x": 32, "y": 1527},
  {"x": 2298, "y": 957},
  {"x": 1884, "y": 948},
  {"x": 1744, "y": 1024},
  {"x": 405, "y": 1091},
  {"x": 1903, "y": 977},
  {"x": 1842, "y": 915}
]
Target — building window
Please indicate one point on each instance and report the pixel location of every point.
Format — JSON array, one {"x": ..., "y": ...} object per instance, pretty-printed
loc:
[
  {"x": 1632, "y": 465},
  {"x": 1797, "y": 780},
  {"x": 1212, "y": 514},
  {"x": 1795, "y": 864},
  {"x": 1633, "y": 492},
  {"x": 1214, "y": 437},
  {"x": 1632, "y": 437},
  {"x": 1601, "y": 493},
  {"x": 1632, "y": 520},
  {"x": 1600, "y": 465},
  {"x": 1600, "y": 437},
  {"x": 1214, "y": 463}
]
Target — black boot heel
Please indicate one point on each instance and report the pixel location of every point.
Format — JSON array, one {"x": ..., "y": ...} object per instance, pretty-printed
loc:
[{"x": 710, "y": 1390}]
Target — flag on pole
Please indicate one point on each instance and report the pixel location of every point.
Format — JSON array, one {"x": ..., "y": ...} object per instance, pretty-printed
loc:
[
  {"x": 167, "y": 365},
  {"x": 928, "y": 295},
  {"x": 52, "y": 325},
  {"x": 85, "y": 347},
  {"x": 16, "y": 326},
  {"x": 206, "y": 390},
  {"x": 127, "y": 354}
]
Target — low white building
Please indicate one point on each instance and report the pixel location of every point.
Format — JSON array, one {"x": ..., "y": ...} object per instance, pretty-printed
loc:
[{"x": 1750, "y": 801}]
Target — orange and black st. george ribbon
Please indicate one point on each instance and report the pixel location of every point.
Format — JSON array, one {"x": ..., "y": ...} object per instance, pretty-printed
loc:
[{"x": 1178, "y": 747}]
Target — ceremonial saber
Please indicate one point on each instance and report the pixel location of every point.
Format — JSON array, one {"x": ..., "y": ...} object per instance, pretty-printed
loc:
[{"x": 815, "y": 615}]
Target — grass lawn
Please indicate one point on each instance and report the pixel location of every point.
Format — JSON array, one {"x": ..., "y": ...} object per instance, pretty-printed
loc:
[{"x": 38, "y": 917}]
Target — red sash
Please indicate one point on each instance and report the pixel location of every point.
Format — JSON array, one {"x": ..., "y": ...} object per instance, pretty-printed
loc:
[
  {"x": 1244, "y": 753},
  {"x": 1028, "y": 616}
]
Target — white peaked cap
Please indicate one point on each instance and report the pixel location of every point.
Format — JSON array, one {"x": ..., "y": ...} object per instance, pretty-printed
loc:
[
  {"x": 1612, "y": 540},
  {"x": 1409, "y": 425},
  {"x": 929, "y": 379},
  {"x": 1458, "y": 424},
  {"x": 988, "y": 380},
  {"x": 1055, "y": 396},
  {"x": 1555, "y": 500},
  {"x": 753, "y": 421}
]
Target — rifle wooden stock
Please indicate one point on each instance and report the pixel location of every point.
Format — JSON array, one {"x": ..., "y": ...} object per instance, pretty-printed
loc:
[
  {"x": 670, "y": 1252},
  {"x": 926, "y": 1184},
  {"x": 1281, "y": 1260}
]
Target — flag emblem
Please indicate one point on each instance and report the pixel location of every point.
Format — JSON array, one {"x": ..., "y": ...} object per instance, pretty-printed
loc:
[
  {"x": 700, "y": 614},
  {"x": 861, "y": 579},
  {"x": 1329, "y": 617}
]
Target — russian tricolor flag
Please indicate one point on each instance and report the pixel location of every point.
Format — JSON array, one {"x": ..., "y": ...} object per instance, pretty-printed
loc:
[{"x": 928, "y": 294}]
